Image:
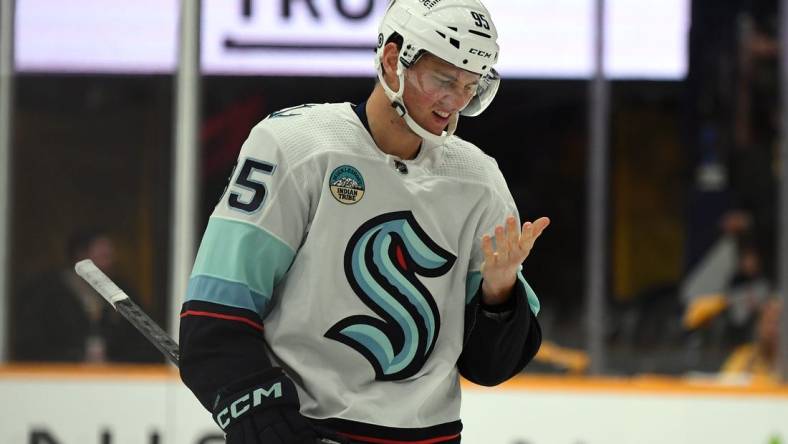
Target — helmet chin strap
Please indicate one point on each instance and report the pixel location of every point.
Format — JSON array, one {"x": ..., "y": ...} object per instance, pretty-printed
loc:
[{"x": 398, "y": 104}]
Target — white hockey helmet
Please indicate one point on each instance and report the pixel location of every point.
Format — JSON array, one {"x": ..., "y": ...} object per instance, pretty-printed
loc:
[{"x": 460, "y": 32}]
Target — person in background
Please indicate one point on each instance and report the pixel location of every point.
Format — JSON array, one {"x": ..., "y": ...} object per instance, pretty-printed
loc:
[
  {"x": 749, "y": 289},
  {"x": 758, "y": 359},
  {"x": 60, "y": 318}
]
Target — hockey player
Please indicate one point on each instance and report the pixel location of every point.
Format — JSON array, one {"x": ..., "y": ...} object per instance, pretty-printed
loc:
[{"x": 363, "y": 257}]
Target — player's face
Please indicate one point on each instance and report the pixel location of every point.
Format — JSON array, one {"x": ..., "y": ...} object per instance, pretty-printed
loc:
[
  {"x": 435, "y": 90},
  {"x": 102, "y": 253}
]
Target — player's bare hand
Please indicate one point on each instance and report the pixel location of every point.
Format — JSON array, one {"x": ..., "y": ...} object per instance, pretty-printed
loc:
[{"x": 512, "y": 247}]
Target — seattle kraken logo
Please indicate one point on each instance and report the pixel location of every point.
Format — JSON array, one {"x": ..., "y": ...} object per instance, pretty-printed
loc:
[{"x": 382, "y": 262}]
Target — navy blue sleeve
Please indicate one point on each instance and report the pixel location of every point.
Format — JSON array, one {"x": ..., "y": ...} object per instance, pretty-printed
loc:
[
  {"x": 496, "y": 349},
  {"x": 219, "y": 345}
]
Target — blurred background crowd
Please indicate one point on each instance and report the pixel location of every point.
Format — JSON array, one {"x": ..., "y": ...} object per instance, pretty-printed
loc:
[{"x": 691, "y": 282}]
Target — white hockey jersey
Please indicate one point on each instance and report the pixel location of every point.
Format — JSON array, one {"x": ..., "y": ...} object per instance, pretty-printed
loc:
[{"x": 359, "y": 263}]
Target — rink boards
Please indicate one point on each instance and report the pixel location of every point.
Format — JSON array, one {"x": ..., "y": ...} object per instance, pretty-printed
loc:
[{"x": 149, "y": 405}]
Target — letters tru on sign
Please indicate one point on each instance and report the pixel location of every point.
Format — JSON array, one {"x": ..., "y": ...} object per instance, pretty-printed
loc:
[{"x": 359, "y": 10}]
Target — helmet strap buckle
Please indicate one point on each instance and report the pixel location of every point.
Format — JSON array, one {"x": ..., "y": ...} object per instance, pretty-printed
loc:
[{"x": 400, "y": 108}]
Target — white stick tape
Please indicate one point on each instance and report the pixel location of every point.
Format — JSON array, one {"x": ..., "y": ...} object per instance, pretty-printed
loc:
[{"x": 99, "y": 281}]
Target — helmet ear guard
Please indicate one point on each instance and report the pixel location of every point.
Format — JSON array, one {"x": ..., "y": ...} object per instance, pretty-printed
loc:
[{"x": 459, "y": 32}]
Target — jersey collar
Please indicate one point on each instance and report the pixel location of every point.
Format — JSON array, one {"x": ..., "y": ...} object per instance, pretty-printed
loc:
[{"x": 429, "y": 153}]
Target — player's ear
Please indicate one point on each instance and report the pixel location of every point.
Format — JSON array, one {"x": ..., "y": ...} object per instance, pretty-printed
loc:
[{"x": 389, "y": 62}]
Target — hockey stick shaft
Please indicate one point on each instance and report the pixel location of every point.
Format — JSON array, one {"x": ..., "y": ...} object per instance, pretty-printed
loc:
[{"x": 88, "y": 271}]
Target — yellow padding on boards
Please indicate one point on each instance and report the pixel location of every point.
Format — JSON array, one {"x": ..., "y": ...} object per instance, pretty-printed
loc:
[
  {"x": 703, "y": 309},
  {"x": 574, "y": 361},
  {"x": 641, "y": 384}
]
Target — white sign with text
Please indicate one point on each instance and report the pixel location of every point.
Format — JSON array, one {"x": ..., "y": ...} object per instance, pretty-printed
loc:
[{"x": 538, "y": 38}]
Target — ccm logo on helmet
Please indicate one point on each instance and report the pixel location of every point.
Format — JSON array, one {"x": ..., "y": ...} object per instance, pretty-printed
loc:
[
  {"x": 242, "y": 405},
  {"x": 480, "y": 53},
  {"x": 430, "y": 3}
]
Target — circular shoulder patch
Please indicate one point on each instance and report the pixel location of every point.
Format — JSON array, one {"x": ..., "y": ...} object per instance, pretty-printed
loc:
[{"x": 347, "y": 184}]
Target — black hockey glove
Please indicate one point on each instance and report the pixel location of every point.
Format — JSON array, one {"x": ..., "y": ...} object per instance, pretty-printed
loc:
[{"x": 263, "y": 409}]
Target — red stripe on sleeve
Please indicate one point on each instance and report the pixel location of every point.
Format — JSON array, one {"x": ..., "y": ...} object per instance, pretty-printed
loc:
[
  {"x": 368, "y": 439},
  {"x": 208, "y": 314}
]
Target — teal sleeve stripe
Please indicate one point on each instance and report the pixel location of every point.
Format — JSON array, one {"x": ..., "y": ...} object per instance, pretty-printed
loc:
[
  {"x": 474, "y": 280},
  {"x": 234, "y": 294},
  {"x": 242, "y": 253},
  {"x": 472, "y": 284}
]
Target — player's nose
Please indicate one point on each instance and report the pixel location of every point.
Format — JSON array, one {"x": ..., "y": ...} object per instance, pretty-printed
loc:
[{"x": 453, "y": 102}]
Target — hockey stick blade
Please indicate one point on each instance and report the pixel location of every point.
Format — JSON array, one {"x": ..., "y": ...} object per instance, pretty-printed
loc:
[{"x": 88, "y": 271}]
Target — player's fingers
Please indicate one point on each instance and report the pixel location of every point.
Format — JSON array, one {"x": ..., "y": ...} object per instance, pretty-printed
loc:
[
  {"x": 490, "y": 256},
  {"x": 501, "y": 246},
  {"x": 532, "y": 232},
  {"x": 539, "y": 225},
  {"x": 528, "y": 230},
  {"x": 487, "y": 247},
  {"x": 527, "y": 234},
  {"x": 512, "y": 233}
]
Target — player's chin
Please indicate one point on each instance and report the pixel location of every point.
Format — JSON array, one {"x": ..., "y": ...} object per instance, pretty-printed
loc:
[{"x": 435, "y": 124}]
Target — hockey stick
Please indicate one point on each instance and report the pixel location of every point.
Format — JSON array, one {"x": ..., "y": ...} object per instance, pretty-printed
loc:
[
  {"x": 125, "y": 306},
  {"x": 88, "y": 271}
]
